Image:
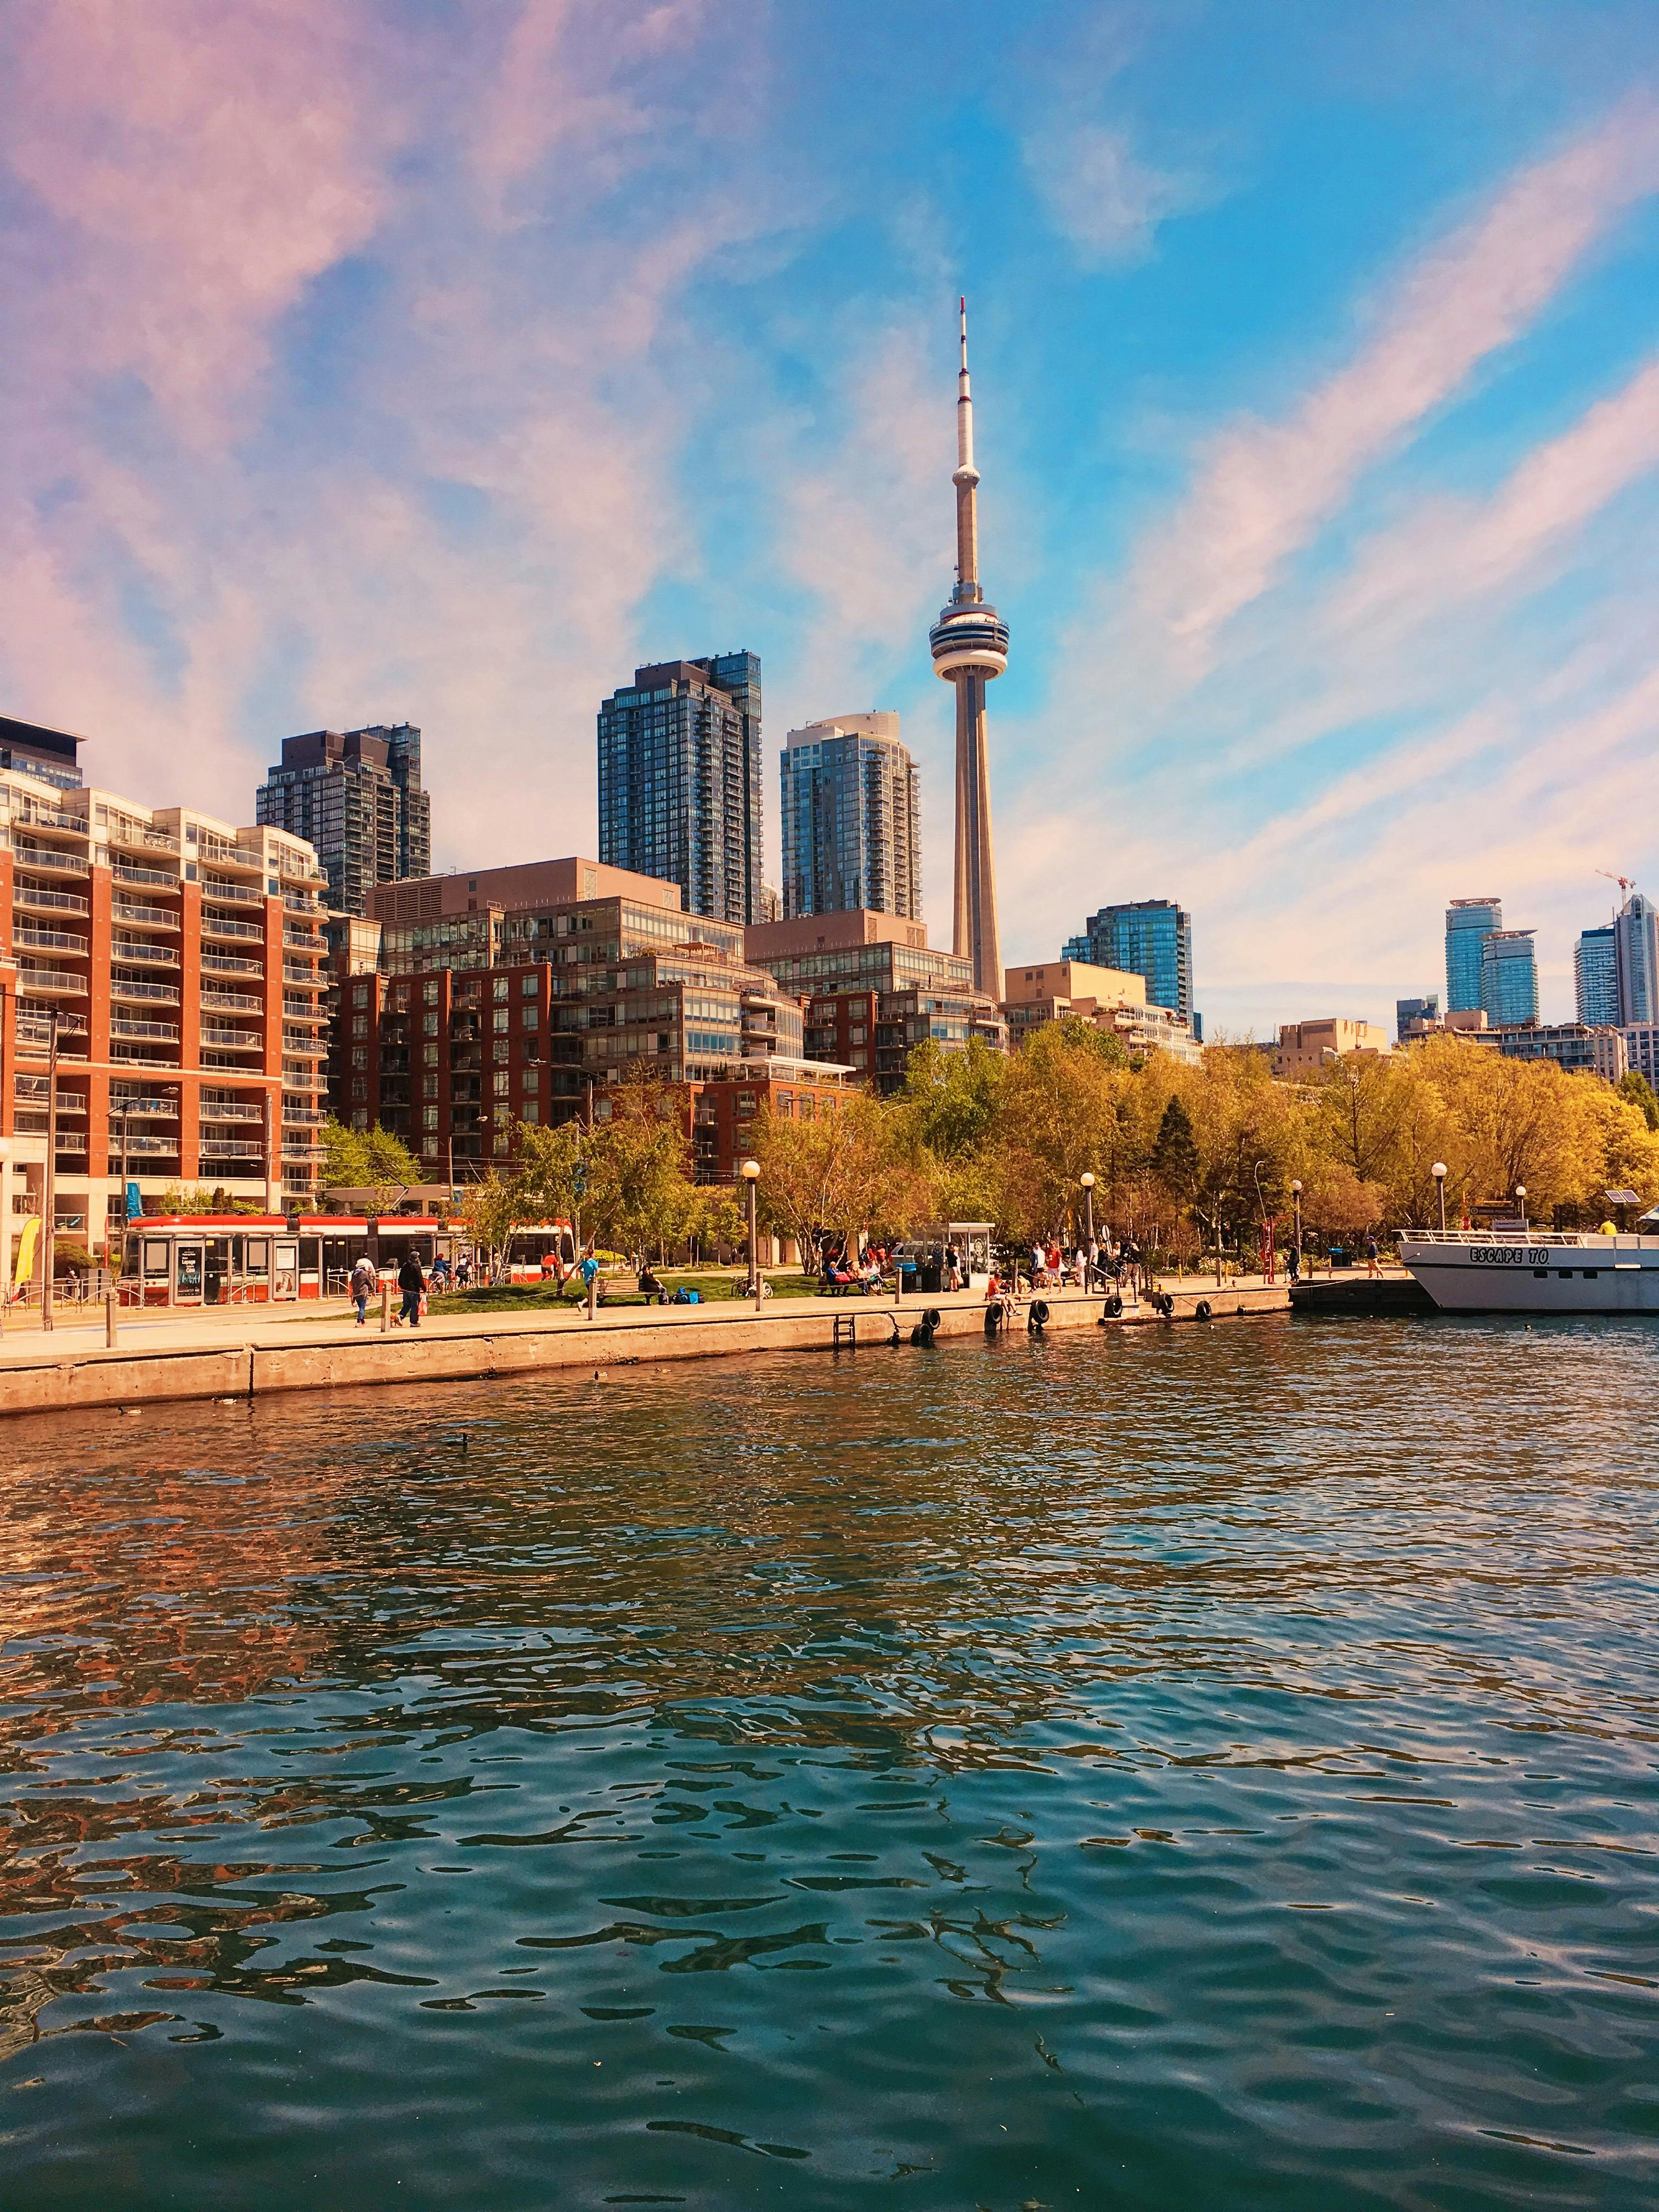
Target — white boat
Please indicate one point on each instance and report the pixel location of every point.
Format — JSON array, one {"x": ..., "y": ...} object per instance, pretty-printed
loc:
[{"x": 1513, "y": 1269}]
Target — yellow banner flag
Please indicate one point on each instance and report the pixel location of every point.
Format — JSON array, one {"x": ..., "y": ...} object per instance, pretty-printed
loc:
[{"x": 25, "y": 1244}]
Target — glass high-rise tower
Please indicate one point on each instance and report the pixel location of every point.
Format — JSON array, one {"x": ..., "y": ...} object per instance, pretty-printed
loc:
[
  {"x": 1596, "y": 977},
  {"x": 680, "y": 780},
  {"x": 1509, "y": 977},
  {"x": 1636, "y": 945},
  {"x": 852, "y": 819},
  {"x": 1151, "y": 937},
  {"x": 355, "y": 796},
  {"x": 1467, "y": 922}
]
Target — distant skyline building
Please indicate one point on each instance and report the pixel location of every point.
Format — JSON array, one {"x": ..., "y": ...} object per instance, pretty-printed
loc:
[
  {"x": 852, "y": 819},
  {"x": 1467, "y": 922},
  {"x": 1509, "y": 977},
  {"x": 970, "y": 644},
  {"x": 1636, "y": 945},
  {"x": 1409, "y": 1013},
  {"x": 355, "y": 796},
  {"x": 1596, "y": 977},
  {"x": 680, "y": 780},
  {"x": 1153, "y": 938}
]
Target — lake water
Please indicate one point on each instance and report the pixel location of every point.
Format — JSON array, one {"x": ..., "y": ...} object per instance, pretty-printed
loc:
[{"x": 1192, "y": 1768}]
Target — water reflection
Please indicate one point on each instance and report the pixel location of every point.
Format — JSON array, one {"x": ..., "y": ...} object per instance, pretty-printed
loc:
[{"x": 1214, "y": 1761}]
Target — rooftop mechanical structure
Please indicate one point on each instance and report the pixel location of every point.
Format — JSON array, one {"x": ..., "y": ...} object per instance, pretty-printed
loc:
[{"x": 970, "y": 644}]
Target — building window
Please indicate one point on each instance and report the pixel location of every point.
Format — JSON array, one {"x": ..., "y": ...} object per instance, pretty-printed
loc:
[
  {"x": 360, "y": 1055},
  {"x": 360, "y": 1086},
  {"x": 360, "y": 994},
  {"x": 429, "y": 1117},
  {"x": 502, "y": 1017},
  {"x": 502, "y": 1049},
  {"x": 501, "y": 1083},
  {"x": 531, "y": 986},
  {"x": 428, "y": 1056},
  {"x": 531, "y": 1111},
  {"x": 430, "y": 1025},
  {"x": 359, "y": 1117},
  {"x": 502, "y": 982},
  {"x": 428, "y": 1086},
  {"x": 429, "y": 992},
  {"x": 360, "y": 1025},
  {"x": 532, "y": 1016}
]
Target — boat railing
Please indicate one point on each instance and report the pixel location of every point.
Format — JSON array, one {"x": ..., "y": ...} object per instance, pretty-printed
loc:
[{"x": 1517, "y": 1235}]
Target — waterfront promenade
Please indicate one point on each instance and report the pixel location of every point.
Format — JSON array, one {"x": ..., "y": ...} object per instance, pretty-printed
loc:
[{"x": 248, "y": 1351}]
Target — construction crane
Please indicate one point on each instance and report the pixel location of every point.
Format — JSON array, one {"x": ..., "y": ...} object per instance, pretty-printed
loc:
[{"x": 1626, "y": 883}]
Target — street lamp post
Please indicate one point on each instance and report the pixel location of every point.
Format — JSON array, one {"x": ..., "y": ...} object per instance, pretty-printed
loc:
[
  {"x": 1521, "y": 1193},
  {"x": 750, "y": 1171},
  {"x": 1438, "y": 1171},
  {"x": 49, "y": 1226},
  {"x": 1295, "y": 1201},
  {"x": 1088, "y": 1183}
]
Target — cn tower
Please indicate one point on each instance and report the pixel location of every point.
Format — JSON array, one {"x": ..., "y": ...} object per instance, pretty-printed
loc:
[{"x": 970, "y": 645}]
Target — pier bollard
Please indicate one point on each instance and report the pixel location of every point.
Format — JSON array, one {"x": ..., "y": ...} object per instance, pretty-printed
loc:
[
  {"x": 592, "y": 1297},
  {"x": 385, "y": 1309},
  {"x": 109, "y": 1317}
]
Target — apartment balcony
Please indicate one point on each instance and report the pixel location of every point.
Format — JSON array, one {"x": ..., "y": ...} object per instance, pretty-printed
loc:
[
  {"x": 229, "y": 1040},
  {"x": 230, "y": 894},
  {"x": 73, "y": 1141},
  {"x": 230, "y": 963},
  {"x": 136, "y": 1031},
  {"x": 303, "y": 1116},
  {"x": 37, "y": 815},
  {"x": 137, "y": 837},
  {"x": 141, "y": 949},
  {"x": 128, "y": 989},
  {"x": 148, "y": 917},
  {"x": 58, "y": 981},
  {"x": 394, "y": 1059},
  {"x": 129, "y": 872},
  {"x": 48, "y": 941},
  {"x": 38, "y": 898},
  {"x": 224, "y": 1150},
  {"x": 143, "y": 1108},
  {"x": 304, "y": 1048},
  {"x": 249, "y": 859},
  {"x": 302, "y": 1010},
  {"x": 34, "y": 1028},
  {"x": 222, "y": 925},
  {"x": 307, "y": 978},
  {"x": 233, "y": 1109},
  {"x": 297, "y": 940},
  {"x": 296, "y": 904},
  {"x": 48, "y": 857},
  {"x": 231, "y": 1002},
  {"x": 30, "y": 1090},
  {"x": 142, "y": 1147}
]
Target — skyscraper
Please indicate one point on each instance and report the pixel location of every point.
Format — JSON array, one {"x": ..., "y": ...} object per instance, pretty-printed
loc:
[
  {"x": 1468, "y": 920},
  {"x": 1509, "y": 977},
  {"x": 680, "y": 781},
  {"x": 1409, "y": 1013},
  {"x": 852, "y": 831},
  {"x": 1636, "y": 945},
  {"x": 1151, "y": 937},
  {"x": 970, "y": 645},
  {"x": 355, "y": 796},
  {"x": 1596, "y": 977}
]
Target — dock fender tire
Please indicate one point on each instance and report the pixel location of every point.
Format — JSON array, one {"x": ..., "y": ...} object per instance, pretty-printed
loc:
[
  {"x": 1201, "y": 1310},
  {"x": 1114, "y": 1307},
  {"x": 992, "y": 1320},
  {"x": 1039, "y": 1314},
  {"x": 922, "y": 1336},
  {"x": 932, "y": 1318}
]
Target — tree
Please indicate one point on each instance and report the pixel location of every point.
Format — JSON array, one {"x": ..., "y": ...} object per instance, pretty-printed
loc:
[
  {"x": 637, "y": 1160},
  {"x": 491, "y": 1208},
  {"x": 853, "y": 1167},
  {"x": 1057, "y": 1119},
  {"x": 373, "y": 1160},
  {"x": 1634, "y": 1086},
  {"x": 1175, "y": 1155}
]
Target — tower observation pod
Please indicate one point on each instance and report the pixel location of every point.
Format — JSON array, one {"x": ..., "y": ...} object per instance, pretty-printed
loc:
[{"x": 970, "y": 645}]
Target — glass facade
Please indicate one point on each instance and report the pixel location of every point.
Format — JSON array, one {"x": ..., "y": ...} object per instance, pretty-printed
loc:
[
  {"x": 680, "y": 781},
  {"x": 1637, "y": 948},
  {"x": 355, "y": 796},
  {"x": 851, "y": 826},
  {"x": 1595, "y": 978},
  {"x": 1509, "y": 977},
  {"x": 1153, "y": 938},
  {"x": 1467, "y": 922},
  {"x": 1407, "y": 1011}
]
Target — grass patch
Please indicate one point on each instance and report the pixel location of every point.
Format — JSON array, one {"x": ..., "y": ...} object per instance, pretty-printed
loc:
[{"x": 527, "y": 1297}]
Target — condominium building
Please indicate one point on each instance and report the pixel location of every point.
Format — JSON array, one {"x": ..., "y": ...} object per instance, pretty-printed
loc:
[
  {"x": 172, "y": 965},
  {"x": 1595, "y": 976},
  {"x": 874, "y": 989},
  {"x": 1468, "y": 922},
  {"x": 1642, "y": 1049},
  {"x": 1416, "y": 1017},
  {"x": 1636, "y": 959},
  {"x": 1575, "y": 1046},
  {"x": 852, "y": 819},
  {"x": 1108, "y": 998},
  {"x": 680, "y": 781},
  {"x": 1509, "y": 977},
  {"x": 355, "y": 796},
  {"x": 1150, "y": 938},
  {"x": 481, "y": 1020}
]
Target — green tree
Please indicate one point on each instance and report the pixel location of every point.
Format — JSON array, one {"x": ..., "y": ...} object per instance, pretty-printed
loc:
[
  {"x": 372, "y": 1160},
  {"x": 1633, "y": 1085},
  {"x": 852, "y": 1168},
  {"x": 1175, "y": 1154}
]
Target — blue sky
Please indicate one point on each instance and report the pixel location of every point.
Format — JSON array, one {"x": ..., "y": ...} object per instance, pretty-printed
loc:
[{"x": 369, "y": 361}]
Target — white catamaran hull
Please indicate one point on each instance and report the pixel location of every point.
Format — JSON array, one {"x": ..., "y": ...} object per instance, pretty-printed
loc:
[{"x": 1475, "y": 1271}]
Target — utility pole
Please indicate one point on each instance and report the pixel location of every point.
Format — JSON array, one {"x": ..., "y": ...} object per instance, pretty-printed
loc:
[{"x": 49, "y": 1226}]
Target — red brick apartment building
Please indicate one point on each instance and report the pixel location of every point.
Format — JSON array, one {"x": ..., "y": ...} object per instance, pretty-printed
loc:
[{"x": 176, "y": 962}]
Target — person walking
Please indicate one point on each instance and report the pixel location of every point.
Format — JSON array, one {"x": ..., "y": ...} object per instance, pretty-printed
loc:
[
  {"x": 412, "y": 1283},
  {"x": 1371, "y": 1268},
  {"x": 364, "y": 1280}
]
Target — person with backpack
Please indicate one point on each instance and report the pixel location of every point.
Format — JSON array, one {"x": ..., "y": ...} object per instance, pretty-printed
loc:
[
  {"x": 412, "y": 1283},
  {"x": 365, "y": 1280}
]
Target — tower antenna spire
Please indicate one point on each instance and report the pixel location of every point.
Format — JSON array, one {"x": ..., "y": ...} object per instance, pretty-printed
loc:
[{"x": 970, "y": 645}]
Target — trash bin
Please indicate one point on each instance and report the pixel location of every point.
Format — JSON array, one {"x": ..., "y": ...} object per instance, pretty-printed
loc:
[
  {"x": 1339, "y": 1258},
  {"x": 929, "y": 1277}
]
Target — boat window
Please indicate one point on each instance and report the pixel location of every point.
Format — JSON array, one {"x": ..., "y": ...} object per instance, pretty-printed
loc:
[
  {"x": 1542, "y": 1272},
  {"x": 1590, "y": 1274},
  {"x": 1565, "y": 1274}
]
